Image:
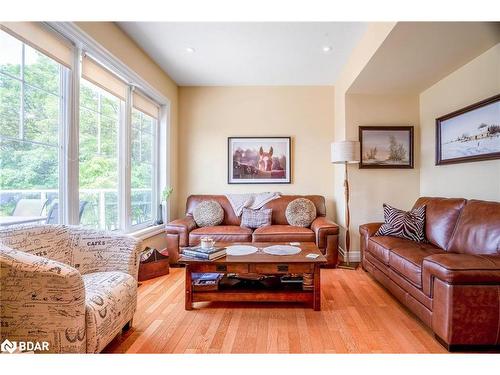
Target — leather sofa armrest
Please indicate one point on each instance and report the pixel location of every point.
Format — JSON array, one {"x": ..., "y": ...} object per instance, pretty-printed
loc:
[
  {"x": 327, "y": 239},
  {"x": 366, "y": 231},
  {"x": 369, "y": 229},
  {"x": 182, "y": 227},
  {"x": 322, "y": 227},
  {"x": 460, "y": 269}
]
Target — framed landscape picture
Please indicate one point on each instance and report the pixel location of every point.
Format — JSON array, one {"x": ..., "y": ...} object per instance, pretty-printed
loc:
[
  {"x": 469, "y": 134},
  {"x": 386, "y": 147},
  {"x": 259, "y": 160}
]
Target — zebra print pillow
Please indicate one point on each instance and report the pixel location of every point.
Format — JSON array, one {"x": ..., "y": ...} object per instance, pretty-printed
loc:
[{"x": 399, "y": 223}]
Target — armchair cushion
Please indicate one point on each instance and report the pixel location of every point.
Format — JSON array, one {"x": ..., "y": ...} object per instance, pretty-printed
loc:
[
  {"x": 110, "y": 302},
  {"x": 182, "y": 227},
  {"x": 323, "y": 227},
  {"x": 461, "y": 269}
]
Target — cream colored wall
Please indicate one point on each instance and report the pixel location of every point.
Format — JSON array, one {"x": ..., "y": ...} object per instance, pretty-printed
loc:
[
  {"x": 374, "y": 36},
  {"x": 208, "y": 115},
  {"x": 125, "y": 49},
  {"x": 477, "y": 80},
  {"x": 370, "y": 188}
]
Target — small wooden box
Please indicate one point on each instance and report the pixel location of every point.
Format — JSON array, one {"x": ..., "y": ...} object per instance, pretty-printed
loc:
[{"x": 152, "y": 264}]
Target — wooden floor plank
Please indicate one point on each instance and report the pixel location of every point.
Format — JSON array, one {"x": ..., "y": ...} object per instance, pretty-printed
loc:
[{"x": 358, "y": 316}]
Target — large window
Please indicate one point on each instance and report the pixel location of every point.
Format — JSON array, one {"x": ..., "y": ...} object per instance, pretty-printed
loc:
[
  {"x": 116, "y": 148},
  {"x": 31, "y": 104}
]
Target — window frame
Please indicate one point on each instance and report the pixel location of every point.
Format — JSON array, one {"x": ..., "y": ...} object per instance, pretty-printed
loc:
[{"x": 69, "y": 131}]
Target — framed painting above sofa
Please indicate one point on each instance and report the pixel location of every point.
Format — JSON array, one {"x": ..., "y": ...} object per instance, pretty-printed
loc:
[
  {"x": 469, "y": 134},
  {"x": 386, "y": 147},
  {"x": 259, "y": 160}
]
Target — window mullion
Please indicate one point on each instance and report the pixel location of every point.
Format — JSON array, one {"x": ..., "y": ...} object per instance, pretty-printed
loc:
[
  {"x": 124, "y": 187},
  {"x": 71, "y": 193},
  {"x": 21, "y": 117}
]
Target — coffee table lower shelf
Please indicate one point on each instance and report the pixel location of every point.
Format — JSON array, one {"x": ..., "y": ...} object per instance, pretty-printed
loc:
[{"x": 254, "y": 296}]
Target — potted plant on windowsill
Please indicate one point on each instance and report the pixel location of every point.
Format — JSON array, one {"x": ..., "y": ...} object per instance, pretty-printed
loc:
[{"x": 162, "y": 210}]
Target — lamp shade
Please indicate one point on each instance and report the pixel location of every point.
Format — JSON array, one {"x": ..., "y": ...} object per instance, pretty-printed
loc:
[{"x": 345, "y": 152}]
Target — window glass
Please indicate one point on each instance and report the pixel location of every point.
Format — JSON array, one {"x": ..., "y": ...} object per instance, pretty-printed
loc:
[
  {"x": 99, "y": 124},
  {"x": 142, "y": 172},
  {"x": 29, "y": 134}
]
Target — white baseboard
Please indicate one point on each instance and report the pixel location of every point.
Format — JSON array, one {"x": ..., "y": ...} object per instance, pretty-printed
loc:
[{"x": 354, "y": 255}]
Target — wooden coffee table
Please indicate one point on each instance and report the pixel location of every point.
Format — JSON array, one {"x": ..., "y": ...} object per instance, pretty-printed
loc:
[{"x": 260, "y": 263}]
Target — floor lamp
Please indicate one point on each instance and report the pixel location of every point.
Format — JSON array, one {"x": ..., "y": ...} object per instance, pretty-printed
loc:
[{"x": 346, "y": 152}]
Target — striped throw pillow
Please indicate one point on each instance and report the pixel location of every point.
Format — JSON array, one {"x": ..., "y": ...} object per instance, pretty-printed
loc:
[
  {"x": 256, "y": 218},
  {"x": 404, "y": 224}
]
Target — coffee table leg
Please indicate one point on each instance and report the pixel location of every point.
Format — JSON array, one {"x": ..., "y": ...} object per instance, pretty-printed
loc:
[
  {"x": 317, "y": 290},
  {"x": 189, "y": 290}
]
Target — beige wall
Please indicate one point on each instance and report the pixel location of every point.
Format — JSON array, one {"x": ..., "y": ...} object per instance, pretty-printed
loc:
[
  {"x": 370, "y": 188},
  {"x": 126, "y": 50},
  {"x": 477, "y": 80},
  {"x": 374, "y": 36},
  {"x": 208, "y": 115}
]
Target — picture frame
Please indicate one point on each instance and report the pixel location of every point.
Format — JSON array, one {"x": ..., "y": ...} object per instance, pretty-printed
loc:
[
  {"x": 469, "y": 134},
  {"x": 259, "y": 160},
  {"x": 386, "y": 147}
]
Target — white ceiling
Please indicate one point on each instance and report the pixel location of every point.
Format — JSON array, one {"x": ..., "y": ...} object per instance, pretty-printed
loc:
[{"x": 248, "y": 53}]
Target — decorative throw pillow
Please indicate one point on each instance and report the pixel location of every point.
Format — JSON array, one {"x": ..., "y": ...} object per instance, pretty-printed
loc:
[
  {"x": 300, "y": 212},
  {"x": 208, "y": 214},
  {"x": 404, "y": 224},
  {"x": 256, "y": 218}
]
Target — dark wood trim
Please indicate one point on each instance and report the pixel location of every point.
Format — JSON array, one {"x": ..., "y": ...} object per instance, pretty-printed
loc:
[
  {"x": 229, "y": 166},
  {"x": 466, "y": 159},
  {"x": 386, "y": 128}
]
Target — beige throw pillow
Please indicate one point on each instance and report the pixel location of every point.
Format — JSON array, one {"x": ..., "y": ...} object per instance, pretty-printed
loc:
[
  {"x": 300, "y": 212},
  {"x": 208, "y": 214}
]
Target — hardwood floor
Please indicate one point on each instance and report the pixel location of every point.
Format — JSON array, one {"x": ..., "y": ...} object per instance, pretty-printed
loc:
[{"x": 357, "y": 316}]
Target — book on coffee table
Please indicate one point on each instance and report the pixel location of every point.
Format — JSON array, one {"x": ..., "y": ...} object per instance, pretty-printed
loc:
[{"x": 207, "y": 254}]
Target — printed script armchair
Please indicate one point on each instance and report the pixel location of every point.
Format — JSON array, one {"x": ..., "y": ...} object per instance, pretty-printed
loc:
[{"x": 72, "y": 287}]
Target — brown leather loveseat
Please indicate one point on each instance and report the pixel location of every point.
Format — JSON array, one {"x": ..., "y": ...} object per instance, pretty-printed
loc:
[
  {"x": 184, "y": 232},
  {"x": 452, "y": 283}
]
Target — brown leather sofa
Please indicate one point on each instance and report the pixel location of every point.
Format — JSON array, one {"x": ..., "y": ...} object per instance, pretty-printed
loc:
[
  {"x": 452, "y": 283},
  {"x": 184, "y": 232}
]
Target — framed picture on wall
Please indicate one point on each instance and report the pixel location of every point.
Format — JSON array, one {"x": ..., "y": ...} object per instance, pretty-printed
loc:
[
  {"x": 259, "y": 160},
  {"x": 386, "y": 147},
  {"x": 469, "y": 134}
]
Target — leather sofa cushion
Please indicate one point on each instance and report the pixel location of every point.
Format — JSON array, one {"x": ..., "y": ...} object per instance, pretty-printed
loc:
[
  {"x": 224, "y": 233},
  {"x": 283, "y": 233},
  {"x": 441, "y": 215},
  {"x": 380, "y": 246},
  {"x": 407, "y": 260},
  {"x": 478, "y": 229}
]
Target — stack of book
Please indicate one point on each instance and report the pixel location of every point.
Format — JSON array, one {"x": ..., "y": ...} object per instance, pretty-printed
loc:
[
  {"x": 206, "y": 281},
  {"x": 197, "y": 252}
]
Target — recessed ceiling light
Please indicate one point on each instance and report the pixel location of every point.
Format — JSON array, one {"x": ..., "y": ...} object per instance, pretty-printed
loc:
[
  {"x": 190, "y": 50},
  {"x": 326, "y": 49}
]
